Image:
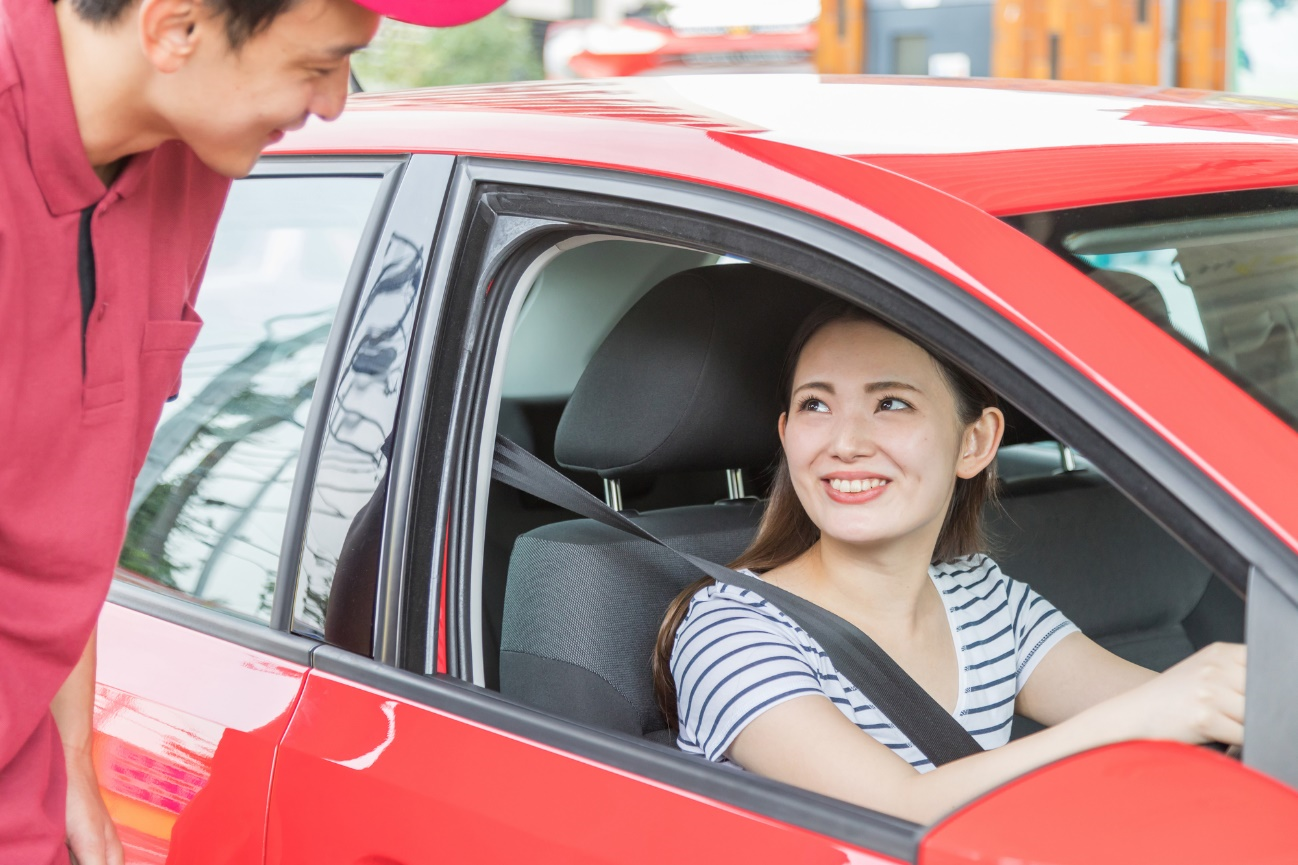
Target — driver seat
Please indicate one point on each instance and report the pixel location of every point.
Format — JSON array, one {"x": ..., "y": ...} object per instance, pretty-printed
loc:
[{"x": 686, "y": 381}]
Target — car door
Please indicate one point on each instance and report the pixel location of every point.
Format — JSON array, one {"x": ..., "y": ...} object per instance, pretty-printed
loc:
[
  {"x": 443, "y": 768},
  {"x": 420, "y": 766},
  {"x": 198, "y": 674}
]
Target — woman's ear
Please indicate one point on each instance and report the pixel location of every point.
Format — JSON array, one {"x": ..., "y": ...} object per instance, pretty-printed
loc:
[
  {"x": 784, "y": 418},
  {"x": 979, "y": 444}
]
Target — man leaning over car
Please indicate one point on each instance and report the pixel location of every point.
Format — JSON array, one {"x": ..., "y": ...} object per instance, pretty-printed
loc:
[{"x": 123, "y": 121}]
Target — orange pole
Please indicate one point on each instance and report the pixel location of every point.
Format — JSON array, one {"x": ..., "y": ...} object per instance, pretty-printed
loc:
[
  {"x": 841, "y": 30},
  {"x": 1107, "y": 40}
]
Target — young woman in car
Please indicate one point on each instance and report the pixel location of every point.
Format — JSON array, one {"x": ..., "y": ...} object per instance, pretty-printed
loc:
[{"x": 875, "y": 514}]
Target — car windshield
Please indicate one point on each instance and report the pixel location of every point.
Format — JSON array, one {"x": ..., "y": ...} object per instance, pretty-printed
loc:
[{"x": 1219, "y": 272}]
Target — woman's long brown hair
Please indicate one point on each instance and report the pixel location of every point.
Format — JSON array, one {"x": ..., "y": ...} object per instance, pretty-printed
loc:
[{"x": 786, "y": 532}]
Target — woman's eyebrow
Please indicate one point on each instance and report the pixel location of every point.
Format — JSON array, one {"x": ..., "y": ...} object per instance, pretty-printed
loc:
[
  {"x": 875, "y": 387},
  {"x": 815, "y": 385}
]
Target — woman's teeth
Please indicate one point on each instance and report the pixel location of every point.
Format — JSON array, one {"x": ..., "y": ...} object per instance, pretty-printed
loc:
[{"x": 855, "y": 486}]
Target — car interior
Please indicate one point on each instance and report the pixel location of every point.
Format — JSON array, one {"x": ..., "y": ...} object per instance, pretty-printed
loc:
[
  {"x": 1214, "y": 271},
  {"x": 648, "y": 373}
]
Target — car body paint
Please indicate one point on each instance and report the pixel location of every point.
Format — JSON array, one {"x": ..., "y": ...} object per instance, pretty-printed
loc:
[
  {"x": 1005, "y": 147},
  {"x": 176, "y": 709},
  {"x": 1126, "y": 804},
  {"x": 508, "y": 799}
]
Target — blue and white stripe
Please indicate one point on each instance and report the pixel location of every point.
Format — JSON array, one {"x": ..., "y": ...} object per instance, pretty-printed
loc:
[{"x": 737, "y": 655}]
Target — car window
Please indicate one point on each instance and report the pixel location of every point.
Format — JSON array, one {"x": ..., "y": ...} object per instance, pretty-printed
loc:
[
  {"x": 1219, "y": 272},
  {"x": 1054, "y": 508},
  {"x": 562, "y": 615},
  {"x": 208, "y": 512}
]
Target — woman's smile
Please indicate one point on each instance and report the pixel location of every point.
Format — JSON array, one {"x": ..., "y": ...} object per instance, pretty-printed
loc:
[{"x": 854, "y": 490}]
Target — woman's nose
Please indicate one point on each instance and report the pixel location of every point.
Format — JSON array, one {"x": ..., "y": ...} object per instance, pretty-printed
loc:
[{"x": 852, "y": 438}]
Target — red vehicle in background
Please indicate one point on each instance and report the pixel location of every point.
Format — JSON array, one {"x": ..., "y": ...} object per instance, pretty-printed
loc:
[
  {"x": 688, "y": 37},
  {"x": 335, "y": 638}
]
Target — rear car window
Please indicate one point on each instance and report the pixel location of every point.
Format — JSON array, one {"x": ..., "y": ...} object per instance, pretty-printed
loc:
[
  {"x": 209, "y": 508},
  {"x": 1219, "y": 272}
]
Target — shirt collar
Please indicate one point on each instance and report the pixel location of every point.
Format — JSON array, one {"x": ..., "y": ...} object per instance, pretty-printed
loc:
[{"x": 58, "y": 158}]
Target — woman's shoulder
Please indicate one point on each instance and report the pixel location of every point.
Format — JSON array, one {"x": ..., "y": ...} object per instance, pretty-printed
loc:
[
  {"x": 727, "y": 596},
  {"x": 721, "y": 605},
  {"x": 974, "y": 581},
  {"x": 976, "y": 571}
]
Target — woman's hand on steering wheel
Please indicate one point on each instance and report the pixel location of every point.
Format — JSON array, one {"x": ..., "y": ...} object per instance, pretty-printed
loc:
[{"x": 1197, "y": 701}]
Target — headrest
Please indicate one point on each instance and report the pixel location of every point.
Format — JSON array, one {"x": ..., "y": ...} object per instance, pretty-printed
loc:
[
  {"x": 1137, "y": 292},
  {"x": 688, "y": 380}
]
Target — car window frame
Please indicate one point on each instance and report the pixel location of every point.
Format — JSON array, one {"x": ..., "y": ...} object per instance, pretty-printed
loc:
[
  {"x": 274, "y": 637},
  {"x": 414, "y": 212},
  {"x": 492, "y": 243}
]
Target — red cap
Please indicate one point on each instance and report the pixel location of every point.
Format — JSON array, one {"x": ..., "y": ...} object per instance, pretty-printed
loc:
[{"x": 433, "y": 13}]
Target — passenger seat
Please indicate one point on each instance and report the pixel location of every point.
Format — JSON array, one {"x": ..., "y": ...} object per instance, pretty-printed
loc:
[
  {"x": 1106, "y": 565},
  {"x": 1117, "y": 574}
]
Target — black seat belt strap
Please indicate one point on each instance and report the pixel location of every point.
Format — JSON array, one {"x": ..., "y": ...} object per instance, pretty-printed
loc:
[{"x": 928, "y": 726}]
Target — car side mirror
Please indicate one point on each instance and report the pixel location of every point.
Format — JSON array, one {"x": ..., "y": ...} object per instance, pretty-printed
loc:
[{"x": 1135, "y": 802}]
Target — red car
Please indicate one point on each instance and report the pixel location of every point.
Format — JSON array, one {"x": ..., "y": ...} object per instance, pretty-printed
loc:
[
  {"x": 688, "y": 37},
  {"x": 334, "y": 638}
]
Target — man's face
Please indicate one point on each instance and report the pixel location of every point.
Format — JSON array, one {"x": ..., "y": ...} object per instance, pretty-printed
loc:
[{"x": 228, "y": 104}]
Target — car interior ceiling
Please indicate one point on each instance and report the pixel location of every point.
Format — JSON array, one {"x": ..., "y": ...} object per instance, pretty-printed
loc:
[{"x": 595, "y": 382}]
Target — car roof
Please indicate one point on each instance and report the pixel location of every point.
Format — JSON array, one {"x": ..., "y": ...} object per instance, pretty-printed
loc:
[{"x": 1004, "y": 146}]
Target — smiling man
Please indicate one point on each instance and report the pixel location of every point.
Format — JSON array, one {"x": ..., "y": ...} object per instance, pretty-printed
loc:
[{"x": 123, "y": 122}]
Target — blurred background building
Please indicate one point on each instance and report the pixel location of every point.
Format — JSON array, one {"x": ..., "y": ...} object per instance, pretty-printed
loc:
[{"x": 1243, "y": 45}]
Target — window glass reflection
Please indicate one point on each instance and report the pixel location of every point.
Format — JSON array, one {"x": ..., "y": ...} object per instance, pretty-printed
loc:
[
  {"x": 340, "y": 552},
  {"x": 209, "y": 507}
]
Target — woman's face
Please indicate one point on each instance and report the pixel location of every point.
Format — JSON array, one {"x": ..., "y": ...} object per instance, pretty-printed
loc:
[{"x": 873, "y": 440}]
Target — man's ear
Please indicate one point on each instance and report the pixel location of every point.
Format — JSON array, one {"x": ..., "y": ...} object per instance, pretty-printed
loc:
[
  {"x": 169, "y": 31},
  {"x": 979, "y": 444}
]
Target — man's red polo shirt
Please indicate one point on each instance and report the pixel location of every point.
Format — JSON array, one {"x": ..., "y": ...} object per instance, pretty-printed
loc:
[{"x": 71, "y": 443}]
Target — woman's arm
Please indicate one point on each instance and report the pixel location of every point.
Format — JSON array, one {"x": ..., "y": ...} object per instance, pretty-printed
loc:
[
  {"x": 1076, "y": 674},
  {"x": 808, "y": 742}
]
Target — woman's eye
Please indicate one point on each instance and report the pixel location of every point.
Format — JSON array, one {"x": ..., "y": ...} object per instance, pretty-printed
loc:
[
  {"x": 811, "y": 403},
  {"x": 892, "y": 403}
]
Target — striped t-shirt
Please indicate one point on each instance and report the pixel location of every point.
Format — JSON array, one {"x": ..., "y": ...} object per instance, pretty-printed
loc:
[{"x": 737, "y": 655}]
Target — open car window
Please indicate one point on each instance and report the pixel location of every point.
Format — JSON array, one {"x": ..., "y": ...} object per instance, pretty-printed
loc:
[{"x": 563, "y": 617}]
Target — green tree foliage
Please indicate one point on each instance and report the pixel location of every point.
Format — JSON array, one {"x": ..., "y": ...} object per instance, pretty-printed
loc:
[{"x": 496, "y": 48}]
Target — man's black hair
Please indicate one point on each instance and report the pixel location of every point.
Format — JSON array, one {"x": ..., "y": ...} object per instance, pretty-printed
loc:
[{"x": 243, "y": 18}]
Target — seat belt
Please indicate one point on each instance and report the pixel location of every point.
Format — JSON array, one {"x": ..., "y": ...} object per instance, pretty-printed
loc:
[{"x": 869, "y": 668}]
